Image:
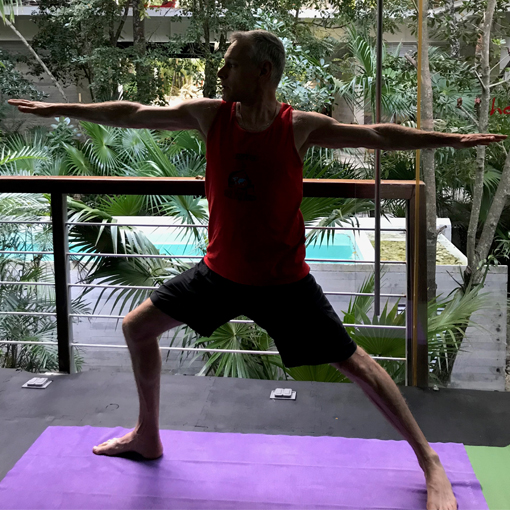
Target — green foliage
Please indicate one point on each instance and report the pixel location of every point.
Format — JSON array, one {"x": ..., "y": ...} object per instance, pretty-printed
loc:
[
  {"x": 239, "y": 337},
  {"x": 79, "y": 41},
  {"x": 448, "y": 319},
  {"x": 115, "y": 271},
  {"x": 12, "y": 83},
  {"x": 361, "y": 89},
  {"x": 28, "y": 298},
  {"x": 321, "y": 163},
  {"x": 69, "y": 32},
  {"x": 109, "y": 68},
  {"x": 307, "y": 82}
]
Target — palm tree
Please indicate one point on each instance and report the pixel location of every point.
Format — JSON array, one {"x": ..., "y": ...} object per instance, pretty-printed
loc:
[{"x": 396, "y": 100}]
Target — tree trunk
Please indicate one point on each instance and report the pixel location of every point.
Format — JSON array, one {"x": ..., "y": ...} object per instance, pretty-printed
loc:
[
  {"x": 477, "y": 253},
  {"x": 454, "y": 31},
  {"x": 142, "y": 71},
  {"x": 427, "y": 160},
  {"x": 38, "y": 58},
  {"x": 482, "y": 49},
  {"x": 211, "y": 69},
  {"x": 115, "y": 38},
  {"x": 492, "y": 220}
]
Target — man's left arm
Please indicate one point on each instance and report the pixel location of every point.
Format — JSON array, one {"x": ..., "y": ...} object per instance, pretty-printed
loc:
[
  {"x": 327, "y": 132},
  {"x": 396, "y": 137}
]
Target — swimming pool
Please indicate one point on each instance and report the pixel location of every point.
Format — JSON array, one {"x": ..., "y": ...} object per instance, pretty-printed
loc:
[
  {"x": 343, "y": 248},
  {"x": 171, "y": 241}
]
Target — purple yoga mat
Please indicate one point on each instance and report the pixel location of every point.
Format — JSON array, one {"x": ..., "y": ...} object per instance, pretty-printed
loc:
[{"x": 220, "y": 471}]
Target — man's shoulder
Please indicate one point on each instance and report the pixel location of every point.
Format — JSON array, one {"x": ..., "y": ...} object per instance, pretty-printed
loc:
[
  {"x": 204, "y": 110},
  {"x": 201, "y": 107},
  {"x": 304, "y": 123},
  {"x": 311, "y": 118}
]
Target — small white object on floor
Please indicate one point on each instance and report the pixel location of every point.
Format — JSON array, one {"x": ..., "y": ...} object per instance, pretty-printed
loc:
[
  {"x": 283, "y": 394},
  {"x": 37, "y": 382}
]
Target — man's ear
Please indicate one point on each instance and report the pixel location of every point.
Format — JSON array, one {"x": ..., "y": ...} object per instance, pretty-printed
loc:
[{"x": 266, "y": 69}]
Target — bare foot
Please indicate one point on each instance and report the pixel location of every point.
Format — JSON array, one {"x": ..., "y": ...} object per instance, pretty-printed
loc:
[
  {"x": 439, "y": 489},
  {"x": 149, "y": 447}
]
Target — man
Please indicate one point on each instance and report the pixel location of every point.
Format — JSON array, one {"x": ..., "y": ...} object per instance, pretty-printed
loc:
[{"x": 255, "y": 151}]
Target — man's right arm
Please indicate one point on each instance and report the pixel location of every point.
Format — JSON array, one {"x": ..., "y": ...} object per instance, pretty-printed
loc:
[{"x": 124, "y": 114}]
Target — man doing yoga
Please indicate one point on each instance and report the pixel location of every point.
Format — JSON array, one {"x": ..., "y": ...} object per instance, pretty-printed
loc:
[{"x": 255, "y": 262}]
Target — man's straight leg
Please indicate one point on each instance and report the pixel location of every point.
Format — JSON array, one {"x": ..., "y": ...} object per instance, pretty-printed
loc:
[{"x": 385, "y": 394}]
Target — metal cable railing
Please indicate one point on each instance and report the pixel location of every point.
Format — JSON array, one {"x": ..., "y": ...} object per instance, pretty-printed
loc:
[
  {"x": 142, "y": 287},
  {"x": 189, "y": 349},
  {"x": 60, "y": 241},
  {"x": 87, "y": 224}
]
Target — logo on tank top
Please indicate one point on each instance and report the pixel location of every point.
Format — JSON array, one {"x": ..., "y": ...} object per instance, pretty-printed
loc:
[{"x": 240, "y": 186}]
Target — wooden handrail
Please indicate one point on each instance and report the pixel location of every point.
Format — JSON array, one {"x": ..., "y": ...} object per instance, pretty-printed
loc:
[{"x": 345, "y": 188}]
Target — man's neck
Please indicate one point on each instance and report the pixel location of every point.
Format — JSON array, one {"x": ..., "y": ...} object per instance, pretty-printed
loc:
[{"x": 257, "y": 115}]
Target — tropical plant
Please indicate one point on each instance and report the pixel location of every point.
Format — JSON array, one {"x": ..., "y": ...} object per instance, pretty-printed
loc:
[
  {"x": 115, "y": 151},
  {"x": 79, "y": 43},
  {"x": 21, "y": 297},
  {"x": 396, "y": 96},
  {"x": 447, "y": 318},
  {"x": 14, "y": 85}
]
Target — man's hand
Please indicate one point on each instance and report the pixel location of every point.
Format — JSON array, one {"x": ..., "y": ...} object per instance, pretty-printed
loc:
[
  {"x": 465, "y": 141},
  {"x": 35, "y": 107}
]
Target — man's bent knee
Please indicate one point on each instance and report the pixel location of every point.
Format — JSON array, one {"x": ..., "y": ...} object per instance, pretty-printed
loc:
[
  {"x": 359, "y": 364},
  {"x": 131, "y": 328},
  {"x": 146, "y": 321}
]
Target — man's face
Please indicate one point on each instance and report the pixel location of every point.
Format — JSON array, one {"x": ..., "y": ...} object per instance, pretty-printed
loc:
[{"x": 239, "y": 76}]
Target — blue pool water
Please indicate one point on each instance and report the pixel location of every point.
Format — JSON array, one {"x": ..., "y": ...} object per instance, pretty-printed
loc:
[{"x": 344, "y": 248}]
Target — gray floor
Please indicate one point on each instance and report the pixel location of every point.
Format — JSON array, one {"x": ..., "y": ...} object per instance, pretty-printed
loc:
[{"x": 109, "y": 399}]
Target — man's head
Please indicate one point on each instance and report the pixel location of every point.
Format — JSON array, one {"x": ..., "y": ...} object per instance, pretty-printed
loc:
[{"x": 254, "y": 63}]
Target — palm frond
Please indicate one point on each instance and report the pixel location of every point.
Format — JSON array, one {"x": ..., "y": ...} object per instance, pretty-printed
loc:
[
  {"x": 123, "y": 205},
  {"x": 331, "y": 212},
  {"x": 189, "y": 210},
  {"x": 99, "y": 147},
  {"x": 160, "y": 164},
  {"x": 22, "y": 155},
  {"x": 77, "y": 161}
]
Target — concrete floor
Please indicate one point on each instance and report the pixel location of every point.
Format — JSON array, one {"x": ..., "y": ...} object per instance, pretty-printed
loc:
[{"x": 109, "y": 399}]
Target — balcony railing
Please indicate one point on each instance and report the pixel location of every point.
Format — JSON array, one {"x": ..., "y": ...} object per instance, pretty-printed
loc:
[{"x": 59, "y": 187}]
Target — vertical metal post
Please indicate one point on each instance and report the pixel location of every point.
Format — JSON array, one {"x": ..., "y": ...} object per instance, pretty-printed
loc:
[
  {"x": 62, "y": 279},
  {"x": 417, "y": 373},
  {"x": 377, "y": 198}
]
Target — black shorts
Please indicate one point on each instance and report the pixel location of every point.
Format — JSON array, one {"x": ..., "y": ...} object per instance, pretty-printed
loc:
[{"x": 297, "y": 316}]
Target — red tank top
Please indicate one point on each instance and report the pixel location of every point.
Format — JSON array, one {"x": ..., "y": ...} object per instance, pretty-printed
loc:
[{"x": 254, "y": 186}]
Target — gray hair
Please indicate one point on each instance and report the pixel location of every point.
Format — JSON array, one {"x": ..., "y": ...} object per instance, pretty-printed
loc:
[{"x": 264, "y": 46}]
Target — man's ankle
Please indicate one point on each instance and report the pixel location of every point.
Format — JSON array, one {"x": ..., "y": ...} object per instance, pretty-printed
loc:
[
  {"x": 147, "y": 429},
  {"x": 430, "y": 462}
]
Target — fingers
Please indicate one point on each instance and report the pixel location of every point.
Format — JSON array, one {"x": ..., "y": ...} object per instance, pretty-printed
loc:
[
  {"x": 33, "y": 107},
  {"x": 20, "y": 102},
  {"x": 24, "y": 106}
]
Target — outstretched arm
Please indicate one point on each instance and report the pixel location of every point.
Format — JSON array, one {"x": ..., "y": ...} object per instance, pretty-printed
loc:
[
  {"x": 123, "y": 114},
  {"x": 396, "y": 137},
  {"x": 327, "y": 132}
]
